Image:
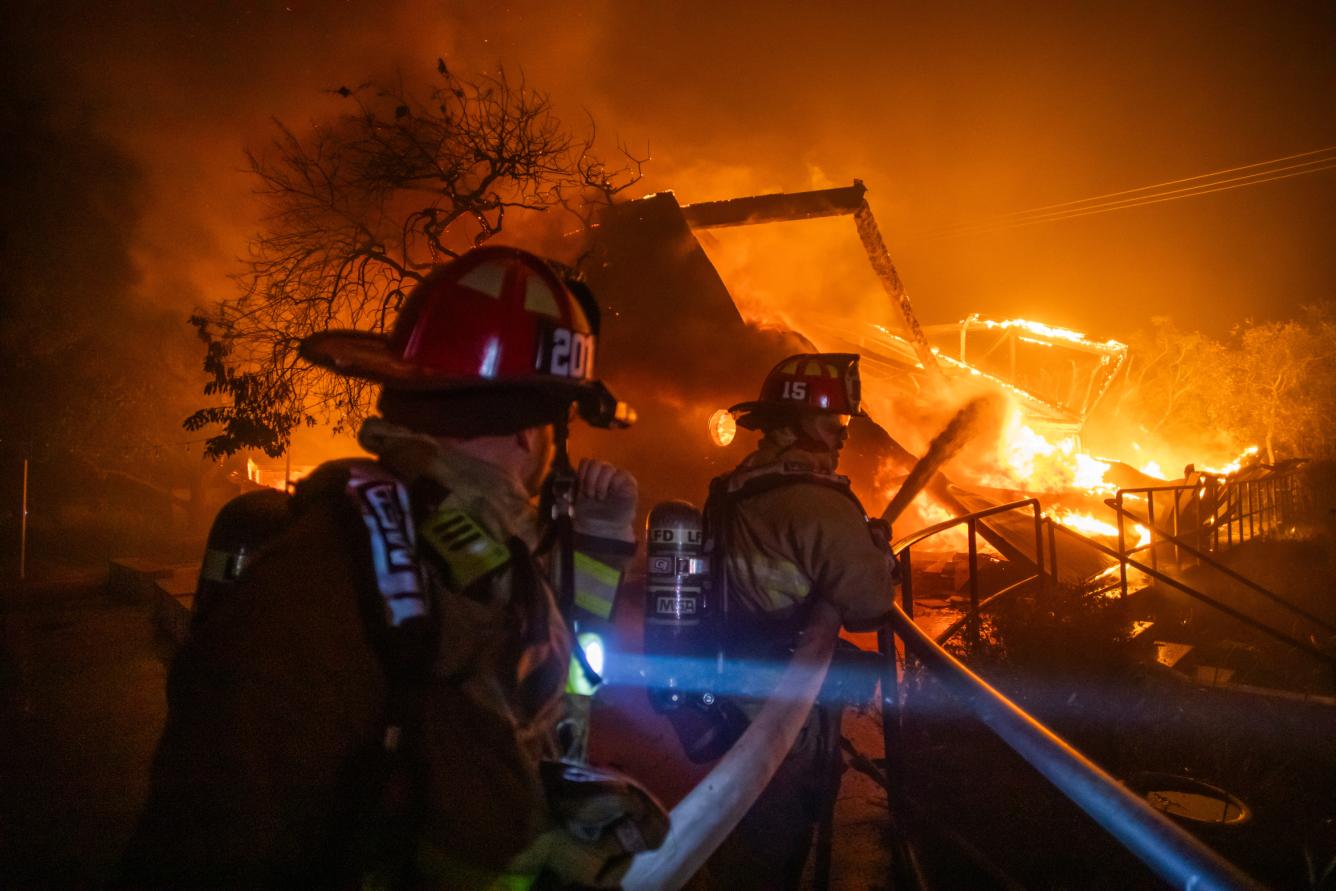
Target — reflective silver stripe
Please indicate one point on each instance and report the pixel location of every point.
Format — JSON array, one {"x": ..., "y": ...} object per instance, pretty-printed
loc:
[{"x": 223, "y": 566}]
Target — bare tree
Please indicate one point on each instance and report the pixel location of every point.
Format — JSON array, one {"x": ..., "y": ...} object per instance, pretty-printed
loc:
[
  {"x": 1284, "y": 385},
  {"x": 359, "y": 210},
  {"x": 1270, "y": 383}
]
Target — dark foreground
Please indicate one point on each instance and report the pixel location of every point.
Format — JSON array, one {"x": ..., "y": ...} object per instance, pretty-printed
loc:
[{"x": 81, "y": 679}]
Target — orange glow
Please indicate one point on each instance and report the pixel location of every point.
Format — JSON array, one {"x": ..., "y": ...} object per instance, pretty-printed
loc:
[
  {"x": 1087, "y": 524},
  {"x": 276, "y": 477},
  {"x": 1233, "y": 466}
]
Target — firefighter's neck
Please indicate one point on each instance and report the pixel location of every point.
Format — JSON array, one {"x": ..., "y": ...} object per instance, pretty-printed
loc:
[
  {"x": 782, "y": 441},
  {"x": 525, "y": 455}
]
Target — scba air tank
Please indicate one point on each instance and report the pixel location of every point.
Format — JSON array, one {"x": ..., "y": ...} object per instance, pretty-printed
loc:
[{"x": 679, "y": 620}]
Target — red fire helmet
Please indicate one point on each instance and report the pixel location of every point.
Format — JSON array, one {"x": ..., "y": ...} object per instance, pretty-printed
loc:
[
  {"x": 826, "y": 383},
  {"x": 497, "y": 318}
]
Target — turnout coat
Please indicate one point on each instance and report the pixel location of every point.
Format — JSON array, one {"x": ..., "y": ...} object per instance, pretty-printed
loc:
[{"x": 280, "y": 693}]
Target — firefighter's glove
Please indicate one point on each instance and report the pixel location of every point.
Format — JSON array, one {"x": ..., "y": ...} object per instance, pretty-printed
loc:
[{"x": 605, "y": 501}]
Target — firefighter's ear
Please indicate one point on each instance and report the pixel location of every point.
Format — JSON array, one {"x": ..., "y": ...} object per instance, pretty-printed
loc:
[{"x": 534, "y": 440}]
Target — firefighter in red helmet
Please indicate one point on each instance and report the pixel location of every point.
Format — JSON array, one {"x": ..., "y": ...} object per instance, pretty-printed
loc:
[
  {"x": 381, "y": 697},
  {"x": 789, "y": 536}
]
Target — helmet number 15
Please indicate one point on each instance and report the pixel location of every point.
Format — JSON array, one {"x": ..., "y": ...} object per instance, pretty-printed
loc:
[
  {"x": 571, "y": 353},
  {"x": 795, "y": 389}
]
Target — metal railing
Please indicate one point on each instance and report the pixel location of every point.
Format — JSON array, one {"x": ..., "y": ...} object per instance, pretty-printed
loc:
[
  {"x": 1287, "y": 639},
  {"x": 1172, "y": 853},
  {"x": 1212, "y": 514},
  {"x": 1204, "y": 559},
  {"x": 1166, "y": 848},
  {"x": 904, "y": 554}
]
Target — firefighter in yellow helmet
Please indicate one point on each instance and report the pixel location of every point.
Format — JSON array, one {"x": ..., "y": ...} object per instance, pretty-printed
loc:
[
  {"x": 786, "y": 532},
  {"x": 376, "y": 699}
]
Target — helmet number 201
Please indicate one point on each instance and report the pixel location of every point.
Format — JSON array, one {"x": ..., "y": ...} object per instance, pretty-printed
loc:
[
  {"x": 571, "y": 353},
  {"x": 795, "y": 389}
]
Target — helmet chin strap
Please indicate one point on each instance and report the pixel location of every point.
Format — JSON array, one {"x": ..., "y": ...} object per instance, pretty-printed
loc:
[
  {"x": 557, "y": 509},
  {"x": 806, "y": 441}
]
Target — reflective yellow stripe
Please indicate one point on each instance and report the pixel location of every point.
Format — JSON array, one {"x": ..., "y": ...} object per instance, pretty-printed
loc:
[
  {"x": 780, "y": 583},
  {"x": 595, "y": 585}
]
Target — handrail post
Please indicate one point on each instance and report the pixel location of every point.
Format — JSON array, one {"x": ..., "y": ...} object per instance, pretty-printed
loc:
[
  {"x": 1038, "y": 542},
  {"x": 1150, "y": 520},
  {"x": 1178, "y": 553},
  {"x": 1231, "y": 503},
  {"x": 892, "y": 738},
  {"x": 1214, "y": 514},
  {"x": 1122, "y": 547},
  {"x": 907, "y": 589},
  {"x": 1251, "y": 492},
  {"x": 1052, "y": 552},
  {"x": 974, "y": 584}
]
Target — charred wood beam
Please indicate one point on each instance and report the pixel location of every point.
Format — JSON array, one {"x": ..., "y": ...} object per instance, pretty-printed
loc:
[
  {"x": 882, "y": 264},
  {"x": 778, "y": 208},
  {"x": 845, "y": 201}
]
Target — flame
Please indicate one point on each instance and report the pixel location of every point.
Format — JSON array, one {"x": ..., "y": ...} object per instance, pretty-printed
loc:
[
  {"x": 1035, "y": 328},
  {"x": 1152, "y": 468},
  {"x": 1028, "y": 460},
  {"x": 1088, "y": 524},
  {"x": 1050, "y": 331},
  {"x": 924, "y": 512},
  {"x": 1233, "y": 466},
  {"x": 276, "y": 477}
]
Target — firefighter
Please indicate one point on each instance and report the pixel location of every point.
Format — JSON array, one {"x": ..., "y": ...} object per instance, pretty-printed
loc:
[
  {"x": 375, "y": 700},
  {"x": 786, "y": 534}
]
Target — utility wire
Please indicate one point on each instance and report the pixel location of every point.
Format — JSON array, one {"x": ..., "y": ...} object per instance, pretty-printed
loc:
[
  {"x": 1174, "y": 182},
  {"x": 1172, "y": 195},
  {"x": 1077, "y": 208},
  {"x": 1205, "y": 184}
]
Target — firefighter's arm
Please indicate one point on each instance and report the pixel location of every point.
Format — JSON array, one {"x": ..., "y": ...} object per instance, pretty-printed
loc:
[
  {"x": 854, "y": 570},
  {"x": 605, "y": 507}
]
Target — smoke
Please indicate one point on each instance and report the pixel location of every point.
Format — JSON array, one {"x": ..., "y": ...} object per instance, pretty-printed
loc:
[{"x": 949, "y": 118}]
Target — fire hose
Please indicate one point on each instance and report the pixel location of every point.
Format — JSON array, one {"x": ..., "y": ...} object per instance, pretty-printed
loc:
[{"x": 702, "y": 820}]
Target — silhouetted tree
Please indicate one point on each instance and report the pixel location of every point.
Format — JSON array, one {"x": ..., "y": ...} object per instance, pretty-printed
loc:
[{"x": 359, "y": 210}]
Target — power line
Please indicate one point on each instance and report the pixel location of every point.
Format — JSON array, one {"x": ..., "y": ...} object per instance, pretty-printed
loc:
[
  {"x": 1075, "y": 208},
  {"x": 1206, "y": 184}
]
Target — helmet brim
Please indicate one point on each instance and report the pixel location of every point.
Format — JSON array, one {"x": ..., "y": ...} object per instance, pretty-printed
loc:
[
  {"x": 365, "y": 355},
  {"x": 754, "y": 414}
]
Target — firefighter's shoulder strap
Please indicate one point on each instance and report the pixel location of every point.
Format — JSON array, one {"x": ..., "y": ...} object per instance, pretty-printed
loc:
[
  {"x": 745, "y": 483},
  {"x": 728, "y": 490}
]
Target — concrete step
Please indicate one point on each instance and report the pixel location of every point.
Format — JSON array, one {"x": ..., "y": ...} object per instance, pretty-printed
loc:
[
  {"x": 175, "y": 600},
  {"x": 132, "y": 578}
]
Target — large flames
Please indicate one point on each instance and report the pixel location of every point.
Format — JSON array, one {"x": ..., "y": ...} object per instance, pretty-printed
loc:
[{"x": 1028, "y": 460}]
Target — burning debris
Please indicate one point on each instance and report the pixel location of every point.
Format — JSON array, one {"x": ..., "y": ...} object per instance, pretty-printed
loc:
[{"x": 1049, "y": 378}]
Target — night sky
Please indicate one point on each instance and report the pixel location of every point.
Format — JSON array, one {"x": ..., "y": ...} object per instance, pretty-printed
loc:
[{"x": 952, "y": 114}]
